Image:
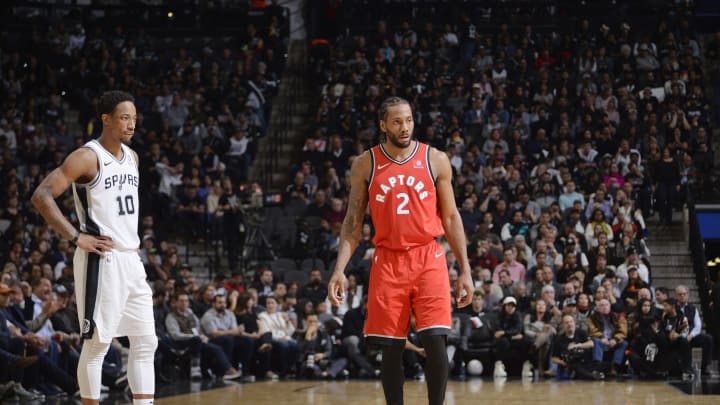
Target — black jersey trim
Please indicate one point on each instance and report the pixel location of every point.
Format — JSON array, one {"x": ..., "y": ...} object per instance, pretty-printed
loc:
[{"x": 401, "y": 162}]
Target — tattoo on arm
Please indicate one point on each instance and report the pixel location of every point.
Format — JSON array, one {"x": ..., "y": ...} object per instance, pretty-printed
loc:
[
  {"x": 352, "y": 225},
  {"x": 44, "y": 202}
]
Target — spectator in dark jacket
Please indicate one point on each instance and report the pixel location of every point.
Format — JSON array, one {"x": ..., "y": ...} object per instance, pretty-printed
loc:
[{"x": 509, "y": 339}]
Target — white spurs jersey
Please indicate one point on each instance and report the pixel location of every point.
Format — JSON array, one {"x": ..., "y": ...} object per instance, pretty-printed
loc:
[{"x": 108, "y": 205}]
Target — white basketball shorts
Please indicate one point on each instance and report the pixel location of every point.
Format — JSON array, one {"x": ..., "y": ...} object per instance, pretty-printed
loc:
[{"x": 113, "y": 295}]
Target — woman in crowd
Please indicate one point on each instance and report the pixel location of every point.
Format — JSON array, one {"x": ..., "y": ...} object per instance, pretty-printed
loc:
[{"x": 284, "y": 346}]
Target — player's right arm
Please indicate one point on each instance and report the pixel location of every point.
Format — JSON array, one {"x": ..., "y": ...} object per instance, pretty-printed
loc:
[
  {"x": 352, "y": 225},
  {"x": 81, "y": 165}
]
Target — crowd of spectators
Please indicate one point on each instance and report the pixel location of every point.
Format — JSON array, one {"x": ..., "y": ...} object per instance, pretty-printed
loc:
[
  {"x": 564, "y": 147},
  {"x": 202, "y": 103}
]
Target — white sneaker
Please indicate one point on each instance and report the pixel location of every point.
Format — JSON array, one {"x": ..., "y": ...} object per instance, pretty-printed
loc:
[
  {"x": 527, "y": 370},
  {"x": 24, "y": 394},
  {"x": 499, "y": 370},
  {"x": 195, "y": 373},
  {"x": 232, "y": 374}
]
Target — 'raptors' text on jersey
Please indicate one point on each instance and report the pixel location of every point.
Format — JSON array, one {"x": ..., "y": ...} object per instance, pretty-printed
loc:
[
  {"x": 108, "y": 205},
  {"x": 403, "y": 200}
]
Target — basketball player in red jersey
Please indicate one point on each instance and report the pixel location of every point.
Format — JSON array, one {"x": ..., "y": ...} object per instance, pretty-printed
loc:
[{"x": 408, "y": 186}]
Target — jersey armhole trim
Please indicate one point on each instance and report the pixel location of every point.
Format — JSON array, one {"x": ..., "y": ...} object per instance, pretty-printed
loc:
[
  {"x": 429, "y": 166},
  {"x": 372, "y": 168},
  {"x": 95, "y": 181}
]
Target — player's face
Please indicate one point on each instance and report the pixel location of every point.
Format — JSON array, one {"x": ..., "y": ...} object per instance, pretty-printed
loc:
[
  {"x": 398, "y": 125},
  {"x": 121, "y": 122}
]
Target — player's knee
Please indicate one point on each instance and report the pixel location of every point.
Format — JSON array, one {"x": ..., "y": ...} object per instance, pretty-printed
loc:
[
  {"x": 94, "y": 349},
  {"x": 144, "y": 345}
]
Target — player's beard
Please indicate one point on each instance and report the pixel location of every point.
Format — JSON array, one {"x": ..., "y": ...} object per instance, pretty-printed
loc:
[{"x": 396, "y": 141}]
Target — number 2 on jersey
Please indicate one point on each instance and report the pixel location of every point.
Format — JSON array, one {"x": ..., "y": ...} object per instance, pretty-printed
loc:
[
  {"x": 128, "y": 207},
  {"x": 401, "y": 210}
]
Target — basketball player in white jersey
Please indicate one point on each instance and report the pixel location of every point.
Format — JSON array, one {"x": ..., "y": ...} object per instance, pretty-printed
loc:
[{"x": 113, "y": 297}]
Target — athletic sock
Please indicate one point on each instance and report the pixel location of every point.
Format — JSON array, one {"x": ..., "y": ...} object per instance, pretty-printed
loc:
[
  {"x": 436, "y": 367},
  {"x": 392, "y": 375}
]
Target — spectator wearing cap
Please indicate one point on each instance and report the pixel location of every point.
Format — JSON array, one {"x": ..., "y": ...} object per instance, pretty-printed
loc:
[
  {"x": 515, "y": 268},
  {"x": 695, "y": 336},
  {"x": 609, "y": 333},
  {"x": 473, "y": 117},
  {"x": 631, "y": 260},
  {"x": 185, "y": 273},
  {"x": 180, "y": 285},
  {"x": 65, "y": 319},
  {"x": 646, "y": 61},
  {"x": 570, "y": 307},
  {"x": 568, "y": 291},
  {"x": 510, "y": 342},
  {"x": 148, "y": 243},
  {"x": 492, "y": 292},
  {"x": 153, "y": 265}
]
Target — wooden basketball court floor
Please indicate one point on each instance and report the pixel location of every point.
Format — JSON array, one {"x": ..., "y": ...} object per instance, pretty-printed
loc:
[{"x": 474, "y": 391}]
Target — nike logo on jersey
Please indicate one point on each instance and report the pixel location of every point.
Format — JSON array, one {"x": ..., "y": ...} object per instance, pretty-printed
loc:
[
  {"x": 380, "y": 167},
  {"x": 107, "y": 163},
  {"x": 438, "y": 254}
]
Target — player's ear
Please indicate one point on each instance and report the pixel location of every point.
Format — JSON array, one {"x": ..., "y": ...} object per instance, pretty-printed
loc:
[
  {"x": 105, "y": 118},
  {"x": 382, "y": 126}
]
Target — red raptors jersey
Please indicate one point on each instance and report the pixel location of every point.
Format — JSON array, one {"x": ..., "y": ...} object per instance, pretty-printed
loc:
[{"x": 402, "y": 199}]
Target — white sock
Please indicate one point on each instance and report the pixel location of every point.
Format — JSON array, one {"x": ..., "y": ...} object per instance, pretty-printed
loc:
[{"x": 144, "y": 401}]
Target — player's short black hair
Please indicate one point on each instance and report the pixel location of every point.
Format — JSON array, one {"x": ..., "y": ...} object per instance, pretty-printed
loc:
[
  {"x": 389, "y": 102},
  {"x": 110, "y": 99}
]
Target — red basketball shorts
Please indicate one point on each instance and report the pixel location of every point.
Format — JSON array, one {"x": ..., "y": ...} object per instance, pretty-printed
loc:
[{"x": 402, "y": 283}]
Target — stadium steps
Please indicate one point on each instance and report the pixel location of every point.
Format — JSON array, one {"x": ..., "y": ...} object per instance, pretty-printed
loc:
[
  {"x": 286, "y": 132},
  {"x": 670, "y": 257}
]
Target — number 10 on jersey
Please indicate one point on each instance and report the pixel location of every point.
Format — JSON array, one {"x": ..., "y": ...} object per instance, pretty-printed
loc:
[{"x": 126, "y": 205}]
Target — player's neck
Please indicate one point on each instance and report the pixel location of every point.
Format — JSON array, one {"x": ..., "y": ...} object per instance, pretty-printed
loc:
[
  {"x": 113, "y": 146},
  {"x": 397, "y": 152}
]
